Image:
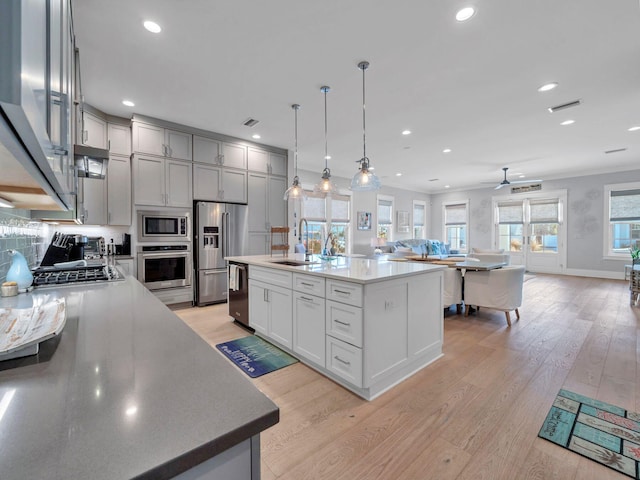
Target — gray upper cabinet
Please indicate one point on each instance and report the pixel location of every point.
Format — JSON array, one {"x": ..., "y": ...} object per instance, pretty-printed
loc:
[
  {"x": 234, "y": 155},
  {"x": 162, "y": 182},
  {"x": 219, "y": 184},
  {"x": 119, "y": 139},
  {"x": 119, "y": 190},
  {"x": 206, "y": 150},
  {"x": 267, "y": 162},
  {"x": 94, "y": 131},
  {"x": 163, "y": 142}
]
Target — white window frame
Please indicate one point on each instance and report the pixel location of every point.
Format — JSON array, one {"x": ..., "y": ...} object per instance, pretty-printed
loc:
[
  {"x": 327, "y": 223},
  {"x": 607, "y": 243},
  {"x": 388, "y": 198},
  {"x": 423, "y": 204},
  {"x": 444, "y": 222}
]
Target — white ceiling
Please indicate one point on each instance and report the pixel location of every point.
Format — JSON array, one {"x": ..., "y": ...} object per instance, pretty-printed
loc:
[{"x": 470, "y": 87}]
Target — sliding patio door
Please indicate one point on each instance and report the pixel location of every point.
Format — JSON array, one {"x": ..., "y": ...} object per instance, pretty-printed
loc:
[{"x": 532, "y": 230}]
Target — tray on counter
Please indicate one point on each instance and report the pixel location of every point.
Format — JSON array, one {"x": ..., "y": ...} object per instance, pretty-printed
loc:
[{"x": 22, "y": 329}]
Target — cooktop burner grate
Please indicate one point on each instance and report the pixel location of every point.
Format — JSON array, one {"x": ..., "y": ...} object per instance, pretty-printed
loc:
[{"x": 44, "y": 277}]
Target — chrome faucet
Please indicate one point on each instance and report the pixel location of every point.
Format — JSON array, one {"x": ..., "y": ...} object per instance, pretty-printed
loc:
[{"x": 307, "y": 253}]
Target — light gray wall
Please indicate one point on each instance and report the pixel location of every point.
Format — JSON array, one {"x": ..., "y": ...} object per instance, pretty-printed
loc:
[{"x": 584, "y": 216}]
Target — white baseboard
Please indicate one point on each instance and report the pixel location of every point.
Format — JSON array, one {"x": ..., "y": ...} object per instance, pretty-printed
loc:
[{"x": 595, "y": 273}]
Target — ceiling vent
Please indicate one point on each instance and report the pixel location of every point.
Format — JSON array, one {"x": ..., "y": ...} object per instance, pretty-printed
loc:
[
  {"x": 575, "y": 103},
  {"x": 616, "y": 150},
  {"x": 250, "y": 122}
]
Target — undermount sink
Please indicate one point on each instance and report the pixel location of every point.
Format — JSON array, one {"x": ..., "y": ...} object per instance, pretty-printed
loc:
[{"x": 293, "y": 263}]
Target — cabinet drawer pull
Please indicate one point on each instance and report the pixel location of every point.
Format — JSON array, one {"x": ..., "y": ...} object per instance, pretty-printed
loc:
[
  {"x": 341, "y": 360},
  {"x": 342, "y": 292},
  {"x": 306, "y": 284},
  {"x": 306, "y": 299},
  {"x": 346, "y": 324}
]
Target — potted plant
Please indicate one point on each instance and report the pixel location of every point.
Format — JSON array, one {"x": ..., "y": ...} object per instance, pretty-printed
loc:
[{"x": 635, "y": 255}]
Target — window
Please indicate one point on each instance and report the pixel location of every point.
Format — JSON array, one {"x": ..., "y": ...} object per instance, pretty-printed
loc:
[
  {"x": 327, "y": 215},
  {"x": 544, "y": 218},
  {"x": 456, "y": 219},
  {"x": 623, "y": 212},
  {"x": 419, "y": 212},
  {"x": 510, "y": 226},
  {"x": 385, "y": 217}
]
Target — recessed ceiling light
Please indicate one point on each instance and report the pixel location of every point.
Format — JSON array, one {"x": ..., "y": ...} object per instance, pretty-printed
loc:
[
  {"x": 465, "y": 14},
  {"x": 548, "y": 86},
  {"x": 447, "y": 186},
  {"x": 327, "y": 157},
  {"x": 568, "y": 122},
  {"x": 521, "y": 176},
  {"x": 128, "y": 103},
  {"x": 633, "y": 129},
  {"x": 446, "y": 150},
  {"x": 153, "y": 27},
  {"x": 256, "y": 136},
  {"x": 398, "y": 174},
  {"x": 406, "y": 132}
]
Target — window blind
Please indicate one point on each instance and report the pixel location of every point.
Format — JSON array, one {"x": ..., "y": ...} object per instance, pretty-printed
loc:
[
  {"x": 510, "y": 213},
  {"x": 384, "y": 212},
  {"x": 340, "y": 208},
  {"x": 455, "y": 214},
  {"x": 625, "y": 206},
  {"x": 418, "y": 215},
  {"x": 544, "y": 211},
  {"x": 314, "y": 207}
]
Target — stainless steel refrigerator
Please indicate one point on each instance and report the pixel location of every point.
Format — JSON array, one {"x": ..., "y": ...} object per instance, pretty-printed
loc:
[{"x": 221, "y": 230}]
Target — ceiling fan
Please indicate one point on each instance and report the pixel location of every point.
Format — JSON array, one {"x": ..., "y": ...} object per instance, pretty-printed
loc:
[{"x": 506, "y": 182}]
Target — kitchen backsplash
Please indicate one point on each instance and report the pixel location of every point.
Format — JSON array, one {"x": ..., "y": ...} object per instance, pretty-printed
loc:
[{"x": 19, "y": 232}]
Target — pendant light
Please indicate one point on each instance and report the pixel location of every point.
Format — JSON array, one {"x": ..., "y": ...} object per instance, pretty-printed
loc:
[
  {"x": 325, "y": 187},
  {"x": 365, "y": 180},
  {"x": 295, "y": 191}
]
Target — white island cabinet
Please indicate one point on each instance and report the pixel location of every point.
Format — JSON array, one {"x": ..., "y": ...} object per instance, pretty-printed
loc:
[{"x": 366, "y": 324}]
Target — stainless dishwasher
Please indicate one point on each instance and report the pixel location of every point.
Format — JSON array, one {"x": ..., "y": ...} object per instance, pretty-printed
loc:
[{"x": 238, "y": 297}]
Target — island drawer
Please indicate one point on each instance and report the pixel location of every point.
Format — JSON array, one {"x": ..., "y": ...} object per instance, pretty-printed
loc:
[
  {"x": 344, "y": 322},
  {"x": 308, "y": 284},
  {"x": 350, "y": 293},
  {"x": 345, "y": 361},
  {"x": 271, "y": 276}
]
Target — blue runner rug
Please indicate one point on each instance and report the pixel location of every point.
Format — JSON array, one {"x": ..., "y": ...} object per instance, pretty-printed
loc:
[
  {"x": 601, "y": 432},
  {"x": 255, "y": 356}
]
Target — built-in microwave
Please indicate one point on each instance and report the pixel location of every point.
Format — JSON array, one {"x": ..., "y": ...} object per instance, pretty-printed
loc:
[{"x": 156, "y": 226}]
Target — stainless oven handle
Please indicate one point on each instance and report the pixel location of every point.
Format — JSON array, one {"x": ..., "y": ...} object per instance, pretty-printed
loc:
[{"x": 164, "y": 255}]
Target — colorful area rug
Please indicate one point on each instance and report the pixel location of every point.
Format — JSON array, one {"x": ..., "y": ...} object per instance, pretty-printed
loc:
[
  {"x": 604, "y": 433},
  {"x": 254, "y": 356}
]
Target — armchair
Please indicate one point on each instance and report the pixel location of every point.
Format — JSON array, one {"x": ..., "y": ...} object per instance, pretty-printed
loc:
[{"x": 499, "y": 289}]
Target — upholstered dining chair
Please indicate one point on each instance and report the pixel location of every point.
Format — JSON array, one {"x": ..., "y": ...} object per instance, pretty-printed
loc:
[
  {"x": 499, "y": 289},
  {"x": 452, "y": 289}
]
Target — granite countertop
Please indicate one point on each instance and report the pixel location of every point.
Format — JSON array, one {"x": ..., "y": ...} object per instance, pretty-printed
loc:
[
  {"x": 352, "y": 269},
  {"x": 126, "y": 390}
]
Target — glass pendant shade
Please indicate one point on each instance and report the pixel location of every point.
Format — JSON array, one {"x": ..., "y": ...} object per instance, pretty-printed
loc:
[
  {"x": 326, "y": 186},
  {"x": 295, "y": 191},
  {"x": 365, "y": 180}
]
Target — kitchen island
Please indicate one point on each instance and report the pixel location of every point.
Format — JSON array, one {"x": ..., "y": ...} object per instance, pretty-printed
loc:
[
  {"x": 127, "y": 390},
  {"x": 367, "y": 324}
]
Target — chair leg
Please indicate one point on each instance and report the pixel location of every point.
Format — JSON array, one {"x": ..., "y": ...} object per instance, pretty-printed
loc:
[
  {"x": 458, "y": 309},
  {"x": 466, "y": 309},
  {"x": 517, "y": 314},
  {"x": 508, "y": 318}
]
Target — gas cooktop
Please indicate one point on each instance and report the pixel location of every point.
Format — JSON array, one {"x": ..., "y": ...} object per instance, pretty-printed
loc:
[{"x": 51, "y": 276}]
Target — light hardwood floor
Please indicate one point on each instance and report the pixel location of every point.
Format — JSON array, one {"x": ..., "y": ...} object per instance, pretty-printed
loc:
[{"x": 473, "y": 414}]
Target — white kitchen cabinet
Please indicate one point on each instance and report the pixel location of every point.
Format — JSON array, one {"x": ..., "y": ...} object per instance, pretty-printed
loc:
[
  {"x": 162, "y": 182},
  {"x": 119, "y": 139},
  {"x": 119, "y": 190},
  {"x": 219, "y": 184},
  {"x": 234, "y": 155},
  {"x": 94, "y": 131},
  {"x": 271, "y": 308},
  {"x": 267, "y": 162},
  {"x": 92, "y": 201},
  {"x": 344, "y": 322},
  {"x": 126, "y": 265},
  {"x": 277, "y": 205},
  {"x": 164, "y": 142},
  {"x": 309, "y": 327}
]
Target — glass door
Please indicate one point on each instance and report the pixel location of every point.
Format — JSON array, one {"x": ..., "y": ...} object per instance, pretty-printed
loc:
[{"x": 532, "y": 231}]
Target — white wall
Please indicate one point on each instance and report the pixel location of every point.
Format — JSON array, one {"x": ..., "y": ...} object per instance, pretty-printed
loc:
[{"x": 584, "y": 215}]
